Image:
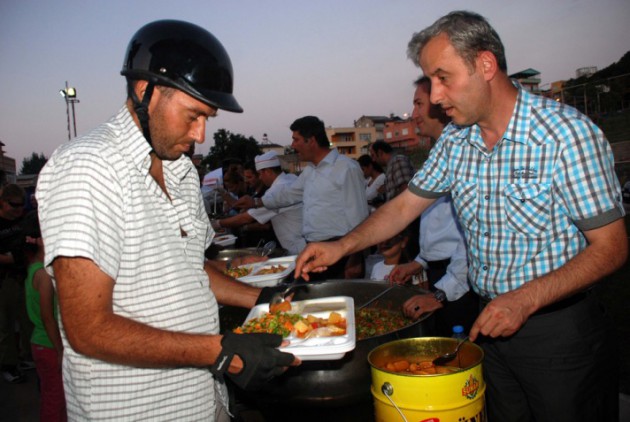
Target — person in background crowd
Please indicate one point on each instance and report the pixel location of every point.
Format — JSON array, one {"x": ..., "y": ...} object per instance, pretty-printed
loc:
[
  {"x": 254, "y": 233},
  {"x": 393, "y": 252},
  {"x": 255, "y": 186},
  {"x": 398, "y": 168},
  {"x": 14, "y": 356},
  {"x": 287, "y": 221},
  {"x": 398, "y": 173},
  {"x": 534, "y": 188},
  {"x": 125, "y": 232},
  {"x": 46, "y": 344},
  {"x": 375, "y": 181},
  {"x": 331, "y": 189},
  {"x": 234, "y": 188},
  {"x": 442, "y": 246}
]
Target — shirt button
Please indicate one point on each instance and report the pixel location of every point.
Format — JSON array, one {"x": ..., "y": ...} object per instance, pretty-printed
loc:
[
  {"x": 523, "y": 200},
  {"x": 486, "y": 197},
  {"x": 485, "y": 268},
  {"x": 486, "y": 234}
]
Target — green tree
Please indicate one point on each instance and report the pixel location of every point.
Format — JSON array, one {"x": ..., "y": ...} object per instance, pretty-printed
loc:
[
  {"x": 229, "y": 145},
  {"x": 34, "y": 164}
]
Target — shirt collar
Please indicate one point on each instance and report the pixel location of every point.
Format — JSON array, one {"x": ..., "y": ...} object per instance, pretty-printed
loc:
[
  {"x": 518, "y": 127},
  {"x": 329, "y": 159}
]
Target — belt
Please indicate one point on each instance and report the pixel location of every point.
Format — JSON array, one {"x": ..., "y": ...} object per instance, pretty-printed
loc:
[
  {"x": 556, "y": 306},
  {"x": 439, "y": 265}
]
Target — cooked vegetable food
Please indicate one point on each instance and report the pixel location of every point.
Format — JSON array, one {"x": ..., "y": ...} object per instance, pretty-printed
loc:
[
  {"x": 273, "y": 323},
  {"x": 273, "y": 269},
  {"x": 417, "y": 367},
  {"x": 285, "y": 324},
  {"x": 375, "y": 322},
  {"x": 238, "y": 272}
]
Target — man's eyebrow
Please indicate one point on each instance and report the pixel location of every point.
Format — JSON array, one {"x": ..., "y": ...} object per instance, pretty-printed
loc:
[{"x": 438, "y": 70}]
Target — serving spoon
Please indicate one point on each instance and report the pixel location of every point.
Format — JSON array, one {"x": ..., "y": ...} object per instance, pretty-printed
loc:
[
  {"x": 268, "y": 248},
  {"x": 280, "y": 297},
  {"x": 447, "y": 357}
]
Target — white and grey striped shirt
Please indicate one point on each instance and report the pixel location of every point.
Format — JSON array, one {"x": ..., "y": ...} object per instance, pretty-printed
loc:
[{"x": 98, "y": 201}]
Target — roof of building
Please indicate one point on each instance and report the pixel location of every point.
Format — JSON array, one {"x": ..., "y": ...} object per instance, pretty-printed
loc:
[{"x": 527, "y": 73}]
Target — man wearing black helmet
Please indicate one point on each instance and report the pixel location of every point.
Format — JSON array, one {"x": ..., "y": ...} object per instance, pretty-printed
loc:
[{"x": 125, "y": 231}]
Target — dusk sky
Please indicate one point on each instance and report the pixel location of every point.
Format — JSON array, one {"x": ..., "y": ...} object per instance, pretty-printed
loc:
[{"x": 337, "y": 59}]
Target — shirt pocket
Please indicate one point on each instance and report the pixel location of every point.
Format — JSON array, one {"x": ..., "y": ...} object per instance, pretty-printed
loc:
[
  {"x": 466, "y": 200},
  {"x": 527, "y": 208}
]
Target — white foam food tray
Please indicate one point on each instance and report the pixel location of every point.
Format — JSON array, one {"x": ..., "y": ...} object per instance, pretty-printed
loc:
[
  {"x": 318, "y": 348},
  {"x": 224, "y": 240},
  {"x": 273, "y": 279}
]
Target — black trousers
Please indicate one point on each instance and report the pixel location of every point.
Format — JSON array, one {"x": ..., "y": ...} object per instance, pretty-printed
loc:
[
  {"x": 462, "y": 311},
  {"x": 560, "y": 366}
]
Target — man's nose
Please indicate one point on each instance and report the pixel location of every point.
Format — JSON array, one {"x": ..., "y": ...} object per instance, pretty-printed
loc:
[{"x": 199, "y": 130}]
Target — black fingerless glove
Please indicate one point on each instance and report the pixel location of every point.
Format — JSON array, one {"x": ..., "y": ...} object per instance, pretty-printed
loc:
[{"x": 261, "y": 359}]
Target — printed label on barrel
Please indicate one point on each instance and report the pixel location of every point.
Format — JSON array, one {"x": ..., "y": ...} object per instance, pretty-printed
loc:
[{"x": 470, "y": 388}]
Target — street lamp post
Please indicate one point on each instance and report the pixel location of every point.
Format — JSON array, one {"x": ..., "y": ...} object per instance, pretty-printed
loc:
[{"x": 69, "y": 94}]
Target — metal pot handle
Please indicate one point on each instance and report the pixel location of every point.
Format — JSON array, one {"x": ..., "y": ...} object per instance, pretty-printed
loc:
[{"x": 388, "y": 390}]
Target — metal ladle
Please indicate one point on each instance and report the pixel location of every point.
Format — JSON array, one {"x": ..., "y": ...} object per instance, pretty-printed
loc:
[
  {"x": 381, "y": 294},
  {"x": 280, "y": 297},
  {"x": 447, "y": 357}
]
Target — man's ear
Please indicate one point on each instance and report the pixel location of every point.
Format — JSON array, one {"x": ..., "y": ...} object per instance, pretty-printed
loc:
[
  {"x": 487, "y": 63},
  {"x": 140, "y": 87}
]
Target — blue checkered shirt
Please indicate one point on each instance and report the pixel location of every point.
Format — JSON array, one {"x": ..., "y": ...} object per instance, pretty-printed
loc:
[{"x": 524, "y": 204}]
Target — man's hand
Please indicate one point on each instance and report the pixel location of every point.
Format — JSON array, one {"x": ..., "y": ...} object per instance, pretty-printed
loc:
[
  {"x": 261, "y": 360},
  {"x": 419, "y": 304},
  {"x": 316, "y": 257},
  {"x": 402, "y": 273},
  {"x": 244, "y": 202},
  {"x": 503, "y": 316}
]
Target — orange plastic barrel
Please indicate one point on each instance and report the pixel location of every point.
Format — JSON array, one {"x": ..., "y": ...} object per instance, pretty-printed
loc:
[{"x": 399, "y": 396}]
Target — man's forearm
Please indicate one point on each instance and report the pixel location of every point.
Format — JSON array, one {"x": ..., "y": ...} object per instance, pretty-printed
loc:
[
  {"x": 120, "y": 340},
  {"x": 386, "y": 222},
  {"x": 236, "y": 221},
  {"x": 229, "y": 291},
  {"x": 606, "y": 252}
]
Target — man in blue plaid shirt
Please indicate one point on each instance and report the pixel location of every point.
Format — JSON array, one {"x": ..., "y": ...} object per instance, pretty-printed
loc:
[{"x": 533, "y": 184}]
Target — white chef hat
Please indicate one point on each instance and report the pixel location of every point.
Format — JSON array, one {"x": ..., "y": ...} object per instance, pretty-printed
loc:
[{"x": 267, "y": 160}]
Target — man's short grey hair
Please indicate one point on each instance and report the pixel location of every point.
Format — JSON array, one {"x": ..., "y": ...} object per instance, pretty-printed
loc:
[{"x": 468, "y": 32}]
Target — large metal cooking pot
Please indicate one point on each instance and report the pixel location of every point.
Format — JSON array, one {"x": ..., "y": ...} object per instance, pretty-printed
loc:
[
  {"x": 335, "y": 383},
  {"x": 225, "y": 254}
]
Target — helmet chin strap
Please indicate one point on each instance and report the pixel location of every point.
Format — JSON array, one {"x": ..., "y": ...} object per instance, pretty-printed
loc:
[{"x": 142, "y": 108}]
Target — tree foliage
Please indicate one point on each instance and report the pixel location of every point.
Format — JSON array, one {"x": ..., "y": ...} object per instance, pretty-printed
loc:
[
  {"x": 34, "y": 164},
  {"x": 228, "y": 146}
]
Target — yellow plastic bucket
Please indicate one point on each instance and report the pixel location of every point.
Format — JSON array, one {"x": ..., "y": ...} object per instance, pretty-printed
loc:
[{"x": 457, "y": 397}]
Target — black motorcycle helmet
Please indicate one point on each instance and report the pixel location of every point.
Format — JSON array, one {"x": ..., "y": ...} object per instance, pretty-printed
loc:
[{"x": 180, "y": 55}]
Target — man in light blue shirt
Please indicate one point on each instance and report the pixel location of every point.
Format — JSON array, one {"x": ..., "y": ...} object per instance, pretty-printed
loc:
[
  {"x": 331, "y": 188},
  {"x": 533, "y": 184}
]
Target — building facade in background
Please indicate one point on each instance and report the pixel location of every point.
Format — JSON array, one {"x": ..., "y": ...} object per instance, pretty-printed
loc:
[{"x": 8, "y": 172}]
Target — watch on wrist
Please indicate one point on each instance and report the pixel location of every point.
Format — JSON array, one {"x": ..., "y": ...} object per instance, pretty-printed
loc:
[{"x": 440, "y": 296}]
